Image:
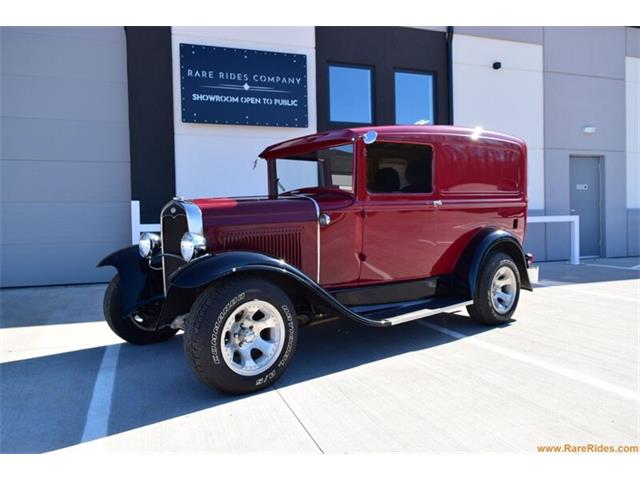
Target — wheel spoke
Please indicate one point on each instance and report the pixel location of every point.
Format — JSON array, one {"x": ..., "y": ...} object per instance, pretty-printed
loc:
[
  {"x": 264, "y": 346},
  {"x": 505, "y": 297},
  {"x": 267, "y": 322},
  {"x": 230, "y": 349},
  {"x": 247, "y": 361}
]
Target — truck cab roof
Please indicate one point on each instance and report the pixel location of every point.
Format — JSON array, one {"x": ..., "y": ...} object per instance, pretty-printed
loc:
[{"x": 420, "y": 134}]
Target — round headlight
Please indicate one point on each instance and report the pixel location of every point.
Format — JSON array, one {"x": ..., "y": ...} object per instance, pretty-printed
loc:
[
  {"x": 148, "y": 243},
  {"x": 192, "y": 244}
]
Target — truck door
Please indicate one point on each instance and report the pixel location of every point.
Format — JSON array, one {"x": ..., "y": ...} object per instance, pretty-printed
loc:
[{"x": 400, "y": 209}]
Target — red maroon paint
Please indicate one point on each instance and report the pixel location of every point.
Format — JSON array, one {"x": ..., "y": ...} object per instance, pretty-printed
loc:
[
  {"x": 408, "y": 255},
  {"x": 479, "y": 176},
  {"x": 286, "y": 228}
]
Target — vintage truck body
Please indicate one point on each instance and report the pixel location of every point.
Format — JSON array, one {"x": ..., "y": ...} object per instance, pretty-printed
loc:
[{"x": 396, "y": 223}]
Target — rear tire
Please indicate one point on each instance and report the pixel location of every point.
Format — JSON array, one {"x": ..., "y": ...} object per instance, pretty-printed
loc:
[
  {"x": 240, "y": 335},
  {"x": 132, "y": 328},
  {"x": 497, "y": 292}
]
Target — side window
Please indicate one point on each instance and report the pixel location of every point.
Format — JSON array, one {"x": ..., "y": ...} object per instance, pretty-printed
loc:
[
  {"x": 295, "y": 174},
  {"x": 399, "y": 168},
  {"x": 329, "y": 167}
]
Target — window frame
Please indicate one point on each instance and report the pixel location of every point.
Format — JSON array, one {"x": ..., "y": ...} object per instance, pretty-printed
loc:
[
  {"x": 367, "y": 194},
  {"x": 356, "y": 66},
  {"x": 434, "y": 97},
  {"x": 273, "y": 170}
]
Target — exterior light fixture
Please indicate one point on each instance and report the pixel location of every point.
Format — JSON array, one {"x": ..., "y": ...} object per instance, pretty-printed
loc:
[{"x": 589, "y": 129}]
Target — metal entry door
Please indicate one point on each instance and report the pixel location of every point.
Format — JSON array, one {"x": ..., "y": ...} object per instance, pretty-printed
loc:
[{"x": 585, "y": 201}]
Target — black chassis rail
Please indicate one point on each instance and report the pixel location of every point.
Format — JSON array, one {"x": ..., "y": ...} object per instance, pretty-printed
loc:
[{"x": 141, "y": 279}]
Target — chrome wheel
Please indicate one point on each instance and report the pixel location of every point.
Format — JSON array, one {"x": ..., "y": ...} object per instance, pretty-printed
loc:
[
  {"x": 252, "y": 338},
  {"x": 503, "y": 290}
]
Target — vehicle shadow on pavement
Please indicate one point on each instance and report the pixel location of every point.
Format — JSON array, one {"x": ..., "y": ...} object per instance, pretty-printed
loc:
[
  {"x": 55, "y": 305},
  {"x": 343, "y": 344},
  {"x": 559, "y": 273},
  {"x": 44, "y": 401}
]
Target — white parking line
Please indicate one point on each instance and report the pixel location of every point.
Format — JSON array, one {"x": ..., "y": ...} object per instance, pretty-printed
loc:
[
  {"x": 97, "y": 423},
  {"x": 565, "y": 372},
  {"x": 551, "y": 283},
  {"x": 618, "y": 267}
]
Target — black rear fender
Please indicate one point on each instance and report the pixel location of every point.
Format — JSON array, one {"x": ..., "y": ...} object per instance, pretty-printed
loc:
[{"x": 487, "y": 241}]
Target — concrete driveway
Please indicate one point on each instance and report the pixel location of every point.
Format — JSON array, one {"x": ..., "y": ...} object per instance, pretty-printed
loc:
[{"x": 566, "y": 371}]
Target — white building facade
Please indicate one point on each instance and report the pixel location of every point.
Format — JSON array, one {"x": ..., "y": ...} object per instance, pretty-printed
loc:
[{"x": 93, "y": 118}]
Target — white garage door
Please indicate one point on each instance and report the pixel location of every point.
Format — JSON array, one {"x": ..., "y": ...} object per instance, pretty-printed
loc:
[{"x": 65, "y": 189}]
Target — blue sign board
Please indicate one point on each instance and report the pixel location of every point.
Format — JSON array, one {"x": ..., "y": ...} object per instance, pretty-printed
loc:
[{"x": 234, "y": 86}]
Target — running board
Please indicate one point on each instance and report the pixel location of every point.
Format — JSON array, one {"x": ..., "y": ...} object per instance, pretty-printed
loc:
[
  {"x": 427, "y": 312},
  {"x": 416, "y": 310}
]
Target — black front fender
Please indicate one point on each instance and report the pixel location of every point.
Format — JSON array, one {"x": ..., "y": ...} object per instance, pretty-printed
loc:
[
  {"x": 212, "y": 267},
  {"x": 139, "y": 284}
]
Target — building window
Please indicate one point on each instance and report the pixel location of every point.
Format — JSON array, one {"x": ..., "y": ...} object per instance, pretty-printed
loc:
[
  {"x": 350, "y": 94},
  {"x": 414, "y": 98},
  {"x": 399, "y": 168}
]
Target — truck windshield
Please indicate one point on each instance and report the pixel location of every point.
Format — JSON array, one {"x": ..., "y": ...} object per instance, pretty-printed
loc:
[{"x": 330, "y": 167}]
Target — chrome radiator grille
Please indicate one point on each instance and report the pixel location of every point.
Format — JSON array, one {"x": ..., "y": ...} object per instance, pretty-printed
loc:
[{"x": 174, "y": 225}]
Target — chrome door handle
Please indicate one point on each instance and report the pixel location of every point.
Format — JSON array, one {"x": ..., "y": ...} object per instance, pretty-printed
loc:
[{"x": 437, "y": 203}]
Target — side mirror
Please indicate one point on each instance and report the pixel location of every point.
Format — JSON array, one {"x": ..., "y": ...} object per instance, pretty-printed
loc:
[{"x": 370, "y": 137}]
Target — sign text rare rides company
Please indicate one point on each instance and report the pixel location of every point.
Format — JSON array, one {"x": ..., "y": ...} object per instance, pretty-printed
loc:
[{"x": 233, "y": 86}]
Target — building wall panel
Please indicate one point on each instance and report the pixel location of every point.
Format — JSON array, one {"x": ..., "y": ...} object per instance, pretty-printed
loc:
[
  {"x": 64, "y": 159},
  {"x": 584, "y": 86},
  {"x": 223, "y": 156},
  {"x": 508, "y": 100},
  {"x": 632, "y": 95}
]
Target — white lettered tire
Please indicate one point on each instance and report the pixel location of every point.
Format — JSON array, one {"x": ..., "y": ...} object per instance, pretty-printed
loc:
[
  {"x": 498, "y": 291},
  {"x": 240, "y": 334}
]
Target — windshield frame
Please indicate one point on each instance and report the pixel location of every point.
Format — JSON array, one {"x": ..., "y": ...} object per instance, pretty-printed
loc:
[{"x": 272, "y": 173}]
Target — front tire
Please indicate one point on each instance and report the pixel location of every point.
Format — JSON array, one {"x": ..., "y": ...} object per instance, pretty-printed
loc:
[
  {"x": 240, "y": 335},
  {"x": 498, "y": 291},
  {"x": 133, "y": 328}
]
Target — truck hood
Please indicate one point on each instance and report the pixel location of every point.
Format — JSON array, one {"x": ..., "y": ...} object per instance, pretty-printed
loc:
[
  {"x": 256, "y": 210},
  {"x": 285, "y": 228}
]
